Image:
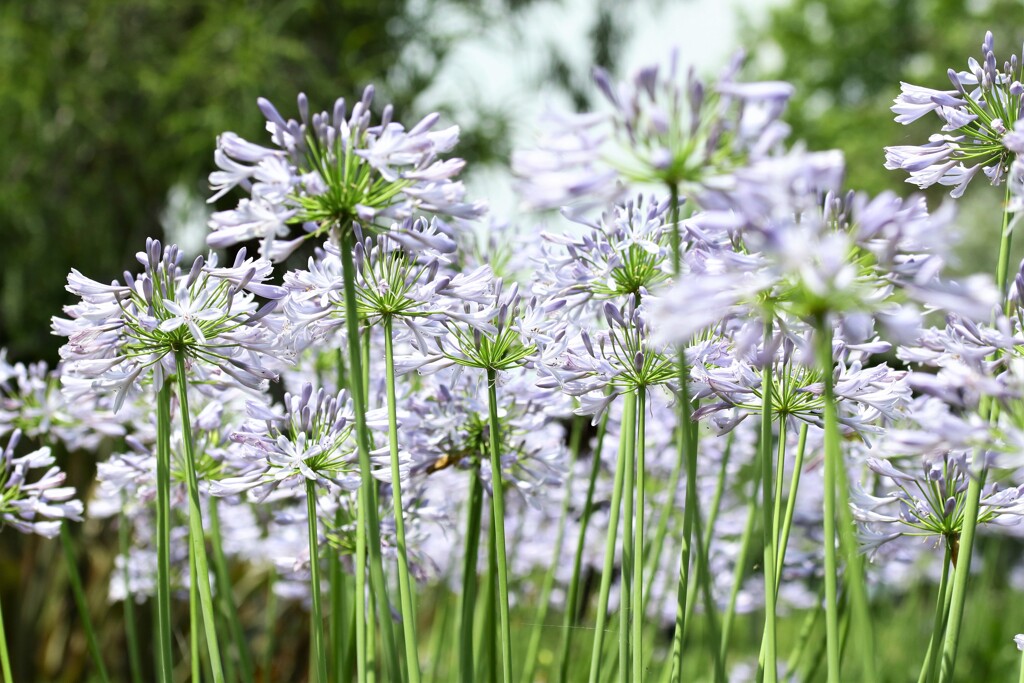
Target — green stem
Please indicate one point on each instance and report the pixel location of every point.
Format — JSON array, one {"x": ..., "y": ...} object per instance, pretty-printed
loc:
[
  {"x": 1005, "y": 241},
  {"x": 225, "y": 593},
  {"x": 628, "y": 547},
  {"x": 83, "y": 606},
  {"x": 939, "y": 625},
  {"x": 5, "y": 662},
  {"x": 131, "y": 633},
  {"x": 336, "y": 618},
  {"x": 624, "y": 461},
  {"x": 439, "y": 637},
  {"x": 787, "y": 520},
  {"x": 363, "y": 671},
  {"x": 165, "y": 664},
  {"x": 486, "y": 645},
  {"x": 367, "y": 509},
  {"x": 687, "y": 445},
  {"x": 316, "y": 623},
  {"x": 194, "y": 619},
  {"x": 469, "y": 577},
  {"x": 638, "y": 542},
  {"x": 197, "y": 538},
  {"x": 404, "y": 583},
  {"x": 739, "y": 570},
  {"x": 832, "y": 454},
  {"x": 548, "y": 584},
  {"x": 767, "y": 505},
  {"x": 972, "y": 504},
  {"x": 572, "y": 599},
  {"x": 498, "y": 516},
  {"x": 808, "y": 629}
]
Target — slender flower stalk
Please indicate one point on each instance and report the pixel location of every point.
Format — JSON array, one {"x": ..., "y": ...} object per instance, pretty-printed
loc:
[
  {"x": 832, "y": 455},
  {"x": 548, "y": 584},
  {"x": 226, "y": 595},
  {"x": 163, "y": 532},
  {"x": 768, "y": 505},
  {"x": 83, "y": 607},
  {"x": 405, "y": 589},
  {"x": 930, "y": 667},
  {"x": 316, "y": 617},
  {"x": 131, "y": 633},
  {"x": 197, "y": 537},
  {"x": 638, "y": 540},
  {"x": 625, "y": 456},
  {"x": 498, "y": 520},
  {"x": 572, "y": 597},
  {"x": 474, "y": 512},
  {"x": 367, "y": 492},
  {"x": 5, "y": 660}
]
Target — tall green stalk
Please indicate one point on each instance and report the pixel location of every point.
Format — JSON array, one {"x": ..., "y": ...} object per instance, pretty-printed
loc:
[
  {"x": 226, "y": 595},
  {"x": 572, "y": 598},
  {"x": 767, "y": 504},
  {"x": 972, "y": 504},
  {"x": 469, "y": 577},
  {"x": 498, "y": 517},
  {"x": 626, "y": 575},
  {"x": 80, "y": 602},
  {"x": 5, "y": 661},
  {"x": 367, "y": 491},
  {"x": 316, "y": 624},
  {"x": 548, "y": 584},
  {"x": 131, "y": 632},
  {"x": 787, "y": 519},
  {"x": 623, "y": 463},
  {"x": 165, "y": 664},
  {"x": 832, "y": 455},
  {"x": 739, "y": 570},
  {"x": 197, "y": 537},
  {"x": 929, "y": 668},
  {"x": 404, "y": 583},
  {"x": 638, "y": 541}
]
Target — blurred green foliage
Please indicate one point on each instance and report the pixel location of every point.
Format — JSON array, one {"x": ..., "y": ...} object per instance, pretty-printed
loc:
[
  {"x": 848, "y": 57},
  {"x": 105, "y": 105}
]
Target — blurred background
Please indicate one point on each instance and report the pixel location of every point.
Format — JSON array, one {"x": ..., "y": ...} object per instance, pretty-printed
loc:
[{"x": 109, "y": 111}]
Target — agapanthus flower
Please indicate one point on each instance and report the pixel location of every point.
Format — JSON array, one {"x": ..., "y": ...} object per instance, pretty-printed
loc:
[
  {"x": 446, "y": 426},
  {"x": 665, "y": 127},
  {"x": 119, "y": 334},
  {"x": 597, "y": 367},
  {"x": 625, "y": 251},
  {"x": 31, "y": 400},
  {"x": 311, "y": 439},
  {"x": 34, "y": 505},
  {"x": 413, "y": 285},
  {"x": 334, "y": 168},
  {"x": 980, "y": 129},
  {"x": 807, "y": 250},
  {"x": 869, "y": 395},
  {"x": 926, "y": 498}
]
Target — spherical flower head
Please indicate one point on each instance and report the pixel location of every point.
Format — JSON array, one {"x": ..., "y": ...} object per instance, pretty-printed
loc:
[
  {"x": 980, "y": 114},
  {"x": 311, "y": 440},
  {"x": 34, "y": 505},
  {"x": 665, "y": 127},
  {"x": 329, "y": 170},
  {"x": 209, "y": 315},
  {"x": 624, "y": 252}
]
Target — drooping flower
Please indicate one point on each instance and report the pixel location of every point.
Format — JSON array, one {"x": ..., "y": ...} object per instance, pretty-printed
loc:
[{"x": 981, "y": 124}]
